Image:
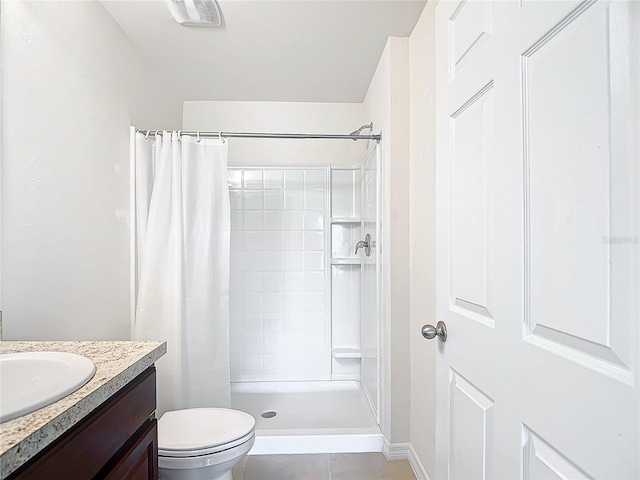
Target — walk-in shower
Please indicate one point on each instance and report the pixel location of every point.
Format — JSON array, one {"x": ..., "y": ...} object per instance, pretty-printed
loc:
[{"x": 304, "y": 308}]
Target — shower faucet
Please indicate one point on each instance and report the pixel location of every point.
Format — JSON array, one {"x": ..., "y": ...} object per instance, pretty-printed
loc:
[{"x": 366, "y": 244}]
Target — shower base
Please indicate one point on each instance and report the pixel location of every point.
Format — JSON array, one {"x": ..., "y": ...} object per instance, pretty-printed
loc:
[{"x": 310, "y": 417}]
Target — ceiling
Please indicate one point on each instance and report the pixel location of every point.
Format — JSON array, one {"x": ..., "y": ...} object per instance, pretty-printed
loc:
[{"x": 270, "y": 50}]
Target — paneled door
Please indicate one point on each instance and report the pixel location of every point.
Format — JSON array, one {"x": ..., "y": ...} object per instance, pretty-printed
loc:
[{"x": 538, "y": 258}]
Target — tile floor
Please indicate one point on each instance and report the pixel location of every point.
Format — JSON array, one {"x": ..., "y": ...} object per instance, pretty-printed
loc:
[{"x": 323, "y": 466}]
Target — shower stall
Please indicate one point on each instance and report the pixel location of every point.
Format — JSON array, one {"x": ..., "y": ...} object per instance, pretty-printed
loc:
[
  {"x": 305, "y": 308},
  {"x": 305, "y": 291}
]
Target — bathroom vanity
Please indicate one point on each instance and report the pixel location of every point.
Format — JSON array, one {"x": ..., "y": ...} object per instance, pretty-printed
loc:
[{"x": 106, "y": 429}]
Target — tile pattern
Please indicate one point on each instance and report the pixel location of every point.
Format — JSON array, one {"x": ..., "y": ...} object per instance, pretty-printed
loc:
[
  {"x": 368, "y": 466},
  {"x": 117, "y": 363},
  {"x": 278, "y": 292},
  {"x": 331, "y": 466}
]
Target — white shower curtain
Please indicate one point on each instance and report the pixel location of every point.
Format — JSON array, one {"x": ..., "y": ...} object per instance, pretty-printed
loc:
[{"x": 182, "y": 234}]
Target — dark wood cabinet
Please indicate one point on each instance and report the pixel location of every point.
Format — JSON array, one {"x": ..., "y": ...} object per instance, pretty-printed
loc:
[
  {"x": 118, "y": 440},
  {"x": 139, "y": 461}
]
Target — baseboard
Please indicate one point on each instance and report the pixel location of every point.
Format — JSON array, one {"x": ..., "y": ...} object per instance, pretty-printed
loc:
[
  {"x": 416, "y": 465},
  {"x": 395, "y": 451},
  {"x": 401, "y": 451}
]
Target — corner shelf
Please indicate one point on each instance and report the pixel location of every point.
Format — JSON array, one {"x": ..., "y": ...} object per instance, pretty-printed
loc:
[
  {"x": 346, "y": 219},
  {"x": 345, "y": 352},
  {"x": 345, "y": 261}
]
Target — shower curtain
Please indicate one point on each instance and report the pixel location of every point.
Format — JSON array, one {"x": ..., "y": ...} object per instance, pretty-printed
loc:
[{"x": 182, "y": 241}]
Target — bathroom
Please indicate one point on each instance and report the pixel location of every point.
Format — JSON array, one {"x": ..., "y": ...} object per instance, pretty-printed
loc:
[{"x": 78, "y": 76}]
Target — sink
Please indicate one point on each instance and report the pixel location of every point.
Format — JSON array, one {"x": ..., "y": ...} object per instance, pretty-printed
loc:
[{"x": 32, "y": 380}]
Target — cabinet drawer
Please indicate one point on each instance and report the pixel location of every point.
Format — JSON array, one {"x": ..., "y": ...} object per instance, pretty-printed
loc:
[{"x": 83, "y": 451}]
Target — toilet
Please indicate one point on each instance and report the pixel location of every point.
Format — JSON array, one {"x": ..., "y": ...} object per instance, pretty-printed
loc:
[{"x": 203, "y": 443}]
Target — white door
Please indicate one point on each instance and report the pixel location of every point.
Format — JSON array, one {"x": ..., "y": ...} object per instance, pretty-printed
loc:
[{"x": 537, "y": 239}]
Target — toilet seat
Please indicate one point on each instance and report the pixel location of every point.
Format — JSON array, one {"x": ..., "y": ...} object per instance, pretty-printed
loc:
[
  {"x": 204, "y": 451},
  {"x": 196, "y": 432}
]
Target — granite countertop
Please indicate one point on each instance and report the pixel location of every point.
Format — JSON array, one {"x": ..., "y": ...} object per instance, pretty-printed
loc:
[{"x": 117, "y": 363}]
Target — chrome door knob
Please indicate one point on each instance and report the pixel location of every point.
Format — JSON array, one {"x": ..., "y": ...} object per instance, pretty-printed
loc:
[{"x": 440, "y": 331}]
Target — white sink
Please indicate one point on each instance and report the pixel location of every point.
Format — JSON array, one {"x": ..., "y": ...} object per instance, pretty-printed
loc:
[{"x": 32, "y": 380}]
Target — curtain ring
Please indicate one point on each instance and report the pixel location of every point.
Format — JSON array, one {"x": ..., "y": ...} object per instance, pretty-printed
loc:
[
  {"x": 220, "y": 137},
  {"x": 198, "y": 137},
  {"x": 146, "y": 136},
  {"x": 179, "y": 132}
]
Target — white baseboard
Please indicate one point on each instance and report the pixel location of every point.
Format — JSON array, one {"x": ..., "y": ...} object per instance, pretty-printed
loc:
[
  {"x": 401, "y": 451},
  {"x": 395, "y": 451},
  {"x": 416, "y": 465}
]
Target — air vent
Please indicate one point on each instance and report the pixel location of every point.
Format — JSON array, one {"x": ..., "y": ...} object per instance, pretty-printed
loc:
[{"x": 201, "y": 13}]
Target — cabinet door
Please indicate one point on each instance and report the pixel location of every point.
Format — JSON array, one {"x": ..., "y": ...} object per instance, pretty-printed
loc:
[{"x": 140, "y": 460}]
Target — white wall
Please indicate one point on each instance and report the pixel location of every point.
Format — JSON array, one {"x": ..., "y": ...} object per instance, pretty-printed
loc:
[
  {"x": 279, "y": 309},
  {"x": 387, "y": 102},
  {"x": 72, "y": 85},
  {"x": 422, "y": 167},
  {"x": 283, "y": 117},
  {"x": 401, "y": 100}
]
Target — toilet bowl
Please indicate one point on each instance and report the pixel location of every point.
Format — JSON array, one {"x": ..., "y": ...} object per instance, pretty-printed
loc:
[{"x": 203, "y": 443}]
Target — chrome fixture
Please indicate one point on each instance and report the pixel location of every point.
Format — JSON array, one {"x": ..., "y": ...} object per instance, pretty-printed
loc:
[
  {"x": 440, "y": 331},
  {"x": 299, "y": 136},
  {"x": 199, "y": 13},
  {"x": 363, "y": 127},
  {"x": 366, "y": 244}
]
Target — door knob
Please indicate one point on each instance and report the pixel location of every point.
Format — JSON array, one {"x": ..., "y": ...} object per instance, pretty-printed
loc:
[{"x": 440, "y": 331}]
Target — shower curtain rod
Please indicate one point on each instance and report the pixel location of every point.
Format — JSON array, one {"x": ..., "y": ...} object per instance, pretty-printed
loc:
[{"x": 302, "y": 136}]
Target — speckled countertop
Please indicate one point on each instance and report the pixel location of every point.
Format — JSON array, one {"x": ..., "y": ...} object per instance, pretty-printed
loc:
[{"x": 117, "y": 363}]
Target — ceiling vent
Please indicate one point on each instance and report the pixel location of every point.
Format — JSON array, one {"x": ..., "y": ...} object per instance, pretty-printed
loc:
[{"x": 200, "y": 13}]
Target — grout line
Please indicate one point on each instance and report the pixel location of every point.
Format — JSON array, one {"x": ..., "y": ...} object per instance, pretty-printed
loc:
[{"x": 329, "y": 464}]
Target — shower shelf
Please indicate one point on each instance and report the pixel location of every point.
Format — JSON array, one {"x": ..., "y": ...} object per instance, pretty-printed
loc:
[
  {"x": 345, "y": 352},
  {"x": 345, "y": 261},
  {"x": 346, "y": 219}
]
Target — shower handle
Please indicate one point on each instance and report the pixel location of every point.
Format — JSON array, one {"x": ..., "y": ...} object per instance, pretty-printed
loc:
[{"x": 366, "y": 244}]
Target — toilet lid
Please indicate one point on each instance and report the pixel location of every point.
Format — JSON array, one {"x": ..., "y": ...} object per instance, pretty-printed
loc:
[{"x": 202, "y": 428}]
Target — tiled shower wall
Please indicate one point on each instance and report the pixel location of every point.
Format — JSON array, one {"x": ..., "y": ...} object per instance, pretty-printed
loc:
[{"x": 279, "y": 301}]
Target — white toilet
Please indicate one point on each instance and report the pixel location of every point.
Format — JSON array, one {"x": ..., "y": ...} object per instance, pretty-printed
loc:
[{"x": 203, "y": 443}]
